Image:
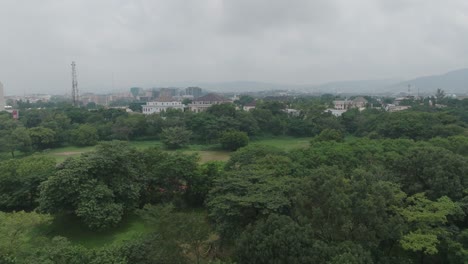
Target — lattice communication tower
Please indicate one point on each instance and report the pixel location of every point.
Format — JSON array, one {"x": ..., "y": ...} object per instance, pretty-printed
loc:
[{"x": 75, "y": 93}]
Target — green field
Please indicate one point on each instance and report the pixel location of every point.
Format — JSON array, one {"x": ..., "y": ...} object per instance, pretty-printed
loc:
[{"x": 206, "y": 152}]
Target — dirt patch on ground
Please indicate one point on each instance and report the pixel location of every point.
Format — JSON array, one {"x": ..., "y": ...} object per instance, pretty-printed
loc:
[
  {"x": 210, "y": 155},
  {"x": 68, "y": 153}
]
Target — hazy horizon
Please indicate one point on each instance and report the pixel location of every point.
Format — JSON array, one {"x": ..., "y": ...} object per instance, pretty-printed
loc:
[{"x": 119, "y": 43}]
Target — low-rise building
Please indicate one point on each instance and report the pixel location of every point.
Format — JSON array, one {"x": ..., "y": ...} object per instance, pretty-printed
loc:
[
  {"x": 250, "y": 106},
  {"x": 358, "y": 102},
  {"x": 202, "y": 103},
  {"x": 161, "y": 106},
  {"x": 292, "y": 112},
  {"x": 396, "y": 108},
  {"x": 335, "y": 112},
  {"x": 341, "y": 104}
]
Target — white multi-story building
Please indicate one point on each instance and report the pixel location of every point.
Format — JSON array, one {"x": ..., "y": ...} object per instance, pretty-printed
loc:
[{"x": 161, "y": 106}]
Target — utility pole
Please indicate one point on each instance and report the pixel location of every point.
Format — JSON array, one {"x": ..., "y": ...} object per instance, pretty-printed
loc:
[{"x": 75, "y": 93}]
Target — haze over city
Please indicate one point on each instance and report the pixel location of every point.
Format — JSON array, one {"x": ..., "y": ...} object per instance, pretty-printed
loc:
[{"x": 120, "y": 44}]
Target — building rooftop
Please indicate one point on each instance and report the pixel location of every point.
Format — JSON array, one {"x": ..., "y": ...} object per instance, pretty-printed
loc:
[
  {"x": 360, "y": 99},
  {"x": 165, "y": 99},
  {"x": 253, "y": 103},
  {"x": 212, "y": 98}
]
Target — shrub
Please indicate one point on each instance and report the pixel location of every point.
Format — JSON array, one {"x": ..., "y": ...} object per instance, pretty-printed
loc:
[{"x": 233, "y": 140}]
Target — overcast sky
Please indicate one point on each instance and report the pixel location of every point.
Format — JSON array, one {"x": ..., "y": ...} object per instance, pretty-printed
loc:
[{"x": 124, "y": 43}]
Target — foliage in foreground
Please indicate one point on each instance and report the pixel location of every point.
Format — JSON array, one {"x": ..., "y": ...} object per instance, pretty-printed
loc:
[
  {"x": 362, "y": 200},
  {"x": 100, "y": 187}
]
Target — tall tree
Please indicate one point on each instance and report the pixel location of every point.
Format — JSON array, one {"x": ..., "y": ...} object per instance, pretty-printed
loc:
[
  {"x": 175, "y": 137},
  {"x": 99, "y": 187},
  {"x": 168, "y": 176},
  {"x": 244, "y": 196},
  {"x": 233, "y": 140},
  {"x": 42, "y": 138},
  {"x": 440, "y": 94},
  {"x": 84, "y": 135}
]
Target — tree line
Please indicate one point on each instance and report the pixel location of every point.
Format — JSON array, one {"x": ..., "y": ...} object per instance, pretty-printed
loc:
[{"x": 39, "y": 129}]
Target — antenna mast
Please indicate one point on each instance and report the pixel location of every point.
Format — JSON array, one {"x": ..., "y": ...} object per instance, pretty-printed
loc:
[{"x": 75, "y": 93}]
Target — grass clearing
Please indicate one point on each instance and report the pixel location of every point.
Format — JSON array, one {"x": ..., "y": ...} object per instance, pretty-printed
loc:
[
  {"x": 146, "y": 144},
  {"x": 61, "y": 154},
  {"x": 130, "y": 228},
  {"x": 284, "y": 143},
  {"x": 211, "y": 155},
  {"x": 207, "y": 152},
  {"x": 71, "y": 228}
]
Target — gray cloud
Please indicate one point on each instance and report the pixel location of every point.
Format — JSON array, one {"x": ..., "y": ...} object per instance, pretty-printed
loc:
[
  {"x": 148, "y": 42},
  {"x": 256, "y": 17}
]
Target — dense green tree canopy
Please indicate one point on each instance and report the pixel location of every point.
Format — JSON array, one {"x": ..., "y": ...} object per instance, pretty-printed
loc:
[
  {"x": 438, "y": 172},
  {"x": 99, "y": 187},
  {"x": 233, "y": 140},
  {"x": 175, "y": 137},
  {"x": 84, "y": 135},
  {"x": 20, "y": 180},
  {"x": 42, "y": 138}
]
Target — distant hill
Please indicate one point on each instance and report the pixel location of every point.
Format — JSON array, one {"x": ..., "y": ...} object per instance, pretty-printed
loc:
[
  {"x": 451, "y": 82},
  {"x": 355, "y": 86},
  {"x": 358, "y": 86},
  {"x": 244, "y": 86}
]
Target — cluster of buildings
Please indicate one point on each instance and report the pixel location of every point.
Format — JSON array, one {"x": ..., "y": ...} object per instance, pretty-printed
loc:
[
  {"x": 397, "y": 106},
  {"x": 196, "y": 100},
  {"x": 358, "y": 102},
  {"x": 142, "y": 95},
  {"x": 172, "y": 98},
  {"x": 341, "y": 106},
  {"x": 199, "y": 104}
]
